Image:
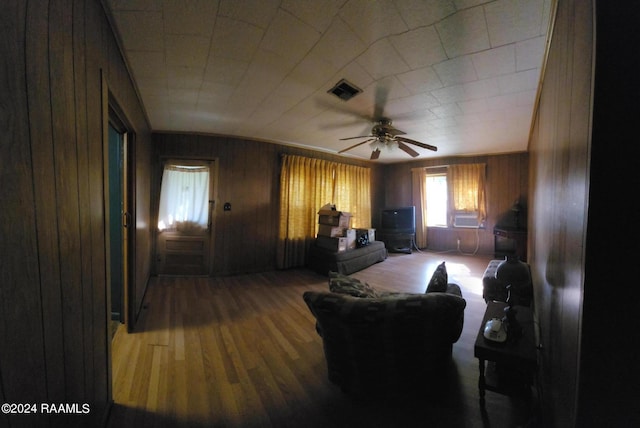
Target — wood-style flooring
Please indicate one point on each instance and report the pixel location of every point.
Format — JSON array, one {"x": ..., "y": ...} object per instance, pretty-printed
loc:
[{"x": 242, "y": 351}]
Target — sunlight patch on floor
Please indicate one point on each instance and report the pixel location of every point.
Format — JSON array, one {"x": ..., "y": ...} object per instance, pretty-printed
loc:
[{"x": 461, "y": 272}]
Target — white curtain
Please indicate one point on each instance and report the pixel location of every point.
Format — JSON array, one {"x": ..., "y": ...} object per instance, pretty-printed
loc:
[{"x": 184, "y": 197}]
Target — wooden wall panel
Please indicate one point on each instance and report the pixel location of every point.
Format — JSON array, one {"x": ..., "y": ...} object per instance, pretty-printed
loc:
[
  {"x": 54, "y": 311},
  {"x": 22, "y": 368},
  {"x": 94, "y": 43},
  {"x": 559, "y": 177},
  {"x": 507, "y": 180},
  {"x": 248, "y": 177}
]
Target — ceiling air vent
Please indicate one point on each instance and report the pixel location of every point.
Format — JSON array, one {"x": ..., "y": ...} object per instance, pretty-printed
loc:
[{"x": 345, "y": 90}]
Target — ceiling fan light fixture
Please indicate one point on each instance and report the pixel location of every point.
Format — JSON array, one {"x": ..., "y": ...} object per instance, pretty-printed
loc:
[
  {"x": 344, "y": 90},
  {"x": 376, "y": 145}
]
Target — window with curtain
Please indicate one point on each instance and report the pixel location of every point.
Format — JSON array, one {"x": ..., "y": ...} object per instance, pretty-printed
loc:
[
  {"x": 306, "y": 184},
  {"x": 440, "y": 192},
  {"x": 467, "y": 189},
  {"x": 184, "y": 197}
]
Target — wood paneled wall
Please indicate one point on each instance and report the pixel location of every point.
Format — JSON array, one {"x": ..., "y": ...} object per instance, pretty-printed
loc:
[
  {"x": 248, "y": 178},
  {"x": 581, "y": 162},
  {"x": 53, "y": 294},
  {"x": 559, "y": 153},
  {"x": 506, "y": 181}
]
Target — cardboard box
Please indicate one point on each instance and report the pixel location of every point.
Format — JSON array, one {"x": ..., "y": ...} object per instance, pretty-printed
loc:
[
  {"x": 342, "y": 220},
  {"x": 351, "y": 238},
  {"x": 332, "y": 231},
  {"x": 332, "y": 244}
]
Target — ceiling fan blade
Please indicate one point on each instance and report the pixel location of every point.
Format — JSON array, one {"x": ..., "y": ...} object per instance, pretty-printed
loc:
[
  {"x": 353, "y": 138},
  {"x": 382, "y": 93},
  {"x": 354, "y": 146},
  {"x": 395, "y": 131},
  {"x": 407, "y": 149},
  {"x": 375, "y": 154},
  {"x": 417, "y": 143}
]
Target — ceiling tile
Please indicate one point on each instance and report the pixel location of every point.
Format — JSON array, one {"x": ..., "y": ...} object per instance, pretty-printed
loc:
[
  {"x": 289, "y": 37},
  {"x": 139, "y": 5},
  {"x": 196, "y": 17},
  {"x": 215, "y": 92},
  {"x": 485, "y": 88},
  {"x": 529, "y": 53},
  {"x": 419, "y": 13},
  {"x": 473, "y": 106},
  {"x": 225, "y": 70},
  {"x": 258, "y": 13},
  {"x": 421, "y": 80},
  {"x": 466, "y": 4},
  {"x": 235, "y": 39},
  {"x": 372, "y": 21},
  {"x": 407, "y": 105},
  {"x": 420, "y": 47},
  {"x": 317, "y": 13},
  {"x": 464, "y": 33},
  {"x": 446, "y": 110},
  {"x": 495, "y": 62},
  {"x": 518, "y": 82},
  {"x": 186, "y": 50},
  {"x": 514, "y": 20},
  {"x": 455, "y": 71},
  {"x": 381, "y": 60},
  {"x": 180, "y": 77},
  {"x": 450, "y": 94},
  {"x": 338, "y": 45}
]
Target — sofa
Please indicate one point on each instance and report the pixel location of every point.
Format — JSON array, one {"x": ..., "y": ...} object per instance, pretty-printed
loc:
[
  {"x": 346, "y": 262},
  {"x": 379, "y": 341}
]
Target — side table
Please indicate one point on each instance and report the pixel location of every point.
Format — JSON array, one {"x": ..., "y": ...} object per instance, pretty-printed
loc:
[{"x": 516, "y": 361}]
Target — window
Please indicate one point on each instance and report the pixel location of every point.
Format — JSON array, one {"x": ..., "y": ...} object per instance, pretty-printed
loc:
[
  {"x": 453, "y": 196},
  {"x": 436, "y": 185},
  {"x": 467, "y": 194},
  {"x": 184, "y": 197}
]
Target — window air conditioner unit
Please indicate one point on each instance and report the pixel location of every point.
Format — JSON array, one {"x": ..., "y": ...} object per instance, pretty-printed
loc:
[{"x": 469, "y": 220}]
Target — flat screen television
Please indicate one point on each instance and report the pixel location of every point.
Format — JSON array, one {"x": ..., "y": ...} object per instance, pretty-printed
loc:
[{"x": 398, "y": 220}]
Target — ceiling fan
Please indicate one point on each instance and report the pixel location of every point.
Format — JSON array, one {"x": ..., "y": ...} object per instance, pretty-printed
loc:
[{"x": 385, "y": 135}]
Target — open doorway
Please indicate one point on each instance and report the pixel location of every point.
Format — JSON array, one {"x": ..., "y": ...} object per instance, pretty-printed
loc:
[
  {"x": 119, "y": 172},
  {"x": 185, "y": 217}
]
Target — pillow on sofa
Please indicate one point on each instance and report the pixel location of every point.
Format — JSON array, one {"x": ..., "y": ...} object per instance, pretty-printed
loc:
[
  {"x": 439, "y": 280},
  {"x": 362, "y": 240},
  {"x": 339, "y": 283}
]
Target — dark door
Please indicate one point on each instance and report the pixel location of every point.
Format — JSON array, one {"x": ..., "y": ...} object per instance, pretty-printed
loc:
[{"x": 116, "y": 215}]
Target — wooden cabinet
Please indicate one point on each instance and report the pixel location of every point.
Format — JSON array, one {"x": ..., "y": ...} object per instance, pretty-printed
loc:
[{"x": 510, "y": 241}]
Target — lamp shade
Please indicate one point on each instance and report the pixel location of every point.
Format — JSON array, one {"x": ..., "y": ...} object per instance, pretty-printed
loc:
[{"x": 512, "y": 271}]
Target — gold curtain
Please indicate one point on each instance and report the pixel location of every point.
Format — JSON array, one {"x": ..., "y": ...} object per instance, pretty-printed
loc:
[
  {"x": 353, "y": 193},
  {"x": 306, "y": 184},
  {"x": 466, "y": 183},
  {"x": 419, "y": 200}
]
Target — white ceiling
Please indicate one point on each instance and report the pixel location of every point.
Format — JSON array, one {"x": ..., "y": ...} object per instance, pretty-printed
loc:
[{"x": 458, "y": 74}]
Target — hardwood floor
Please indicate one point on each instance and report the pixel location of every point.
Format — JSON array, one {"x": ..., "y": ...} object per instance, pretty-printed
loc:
[{"x": 242, "y": 351}]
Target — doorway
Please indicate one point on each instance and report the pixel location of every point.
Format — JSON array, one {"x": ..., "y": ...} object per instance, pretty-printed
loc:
[
  {"x": 185, "y": 217},
  {"x": 120, "y": 229},
  {"x": 116, "y": 215}
]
